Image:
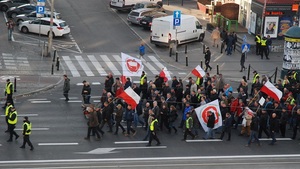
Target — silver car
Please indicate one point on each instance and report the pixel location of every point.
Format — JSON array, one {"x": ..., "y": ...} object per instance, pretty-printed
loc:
[
  {"x": 32, "y": 16},
  {"x": 135, "y": 16}
]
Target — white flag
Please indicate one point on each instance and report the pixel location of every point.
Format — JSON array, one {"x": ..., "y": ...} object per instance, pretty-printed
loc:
[
  {"x": 202, "y": 113},
  {"x": 131, "y": 66}
]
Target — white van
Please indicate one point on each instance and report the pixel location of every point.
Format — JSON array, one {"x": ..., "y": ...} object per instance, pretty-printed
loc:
[
  {"x": 164, "y": 34},
  {"x": 127, "y": 4}
]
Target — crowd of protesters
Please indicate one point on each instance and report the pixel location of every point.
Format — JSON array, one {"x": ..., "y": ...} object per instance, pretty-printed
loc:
[{"x": 172, "y": 104}]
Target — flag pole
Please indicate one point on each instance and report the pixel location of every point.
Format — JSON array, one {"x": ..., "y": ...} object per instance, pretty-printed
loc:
[
  {"x": 253, "y": 98},
  {"x": 186, "y": 76}
]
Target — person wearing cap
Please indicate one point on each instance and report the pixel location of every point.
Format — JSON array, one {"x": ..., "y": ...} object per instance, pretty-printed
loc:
[
  {"x": 207, "y": 57},
  {"x": 188, "y": 127},
  {"x": 66, "y": 87},
  {"x": 86, "y": 92},
  {"x": 153, "y": 128},
  {"x": 12, "y": 121},
  {"x": 9, "y": 89},
  {"x": 26, "y": 133}
]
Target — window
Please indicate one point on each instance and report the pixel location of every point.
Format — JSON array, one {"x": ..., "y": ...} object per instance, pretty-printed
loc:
[
  {"x": 45, "y": 22},
  {"x": 198, "y": 25}
]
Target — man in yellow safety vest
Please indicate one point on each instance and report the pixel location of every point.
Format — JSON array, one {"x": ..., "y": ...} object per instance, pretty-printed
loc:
[
  {"x": 7, "y": 111},
  {"x": 12, "y": 121},
  {"x": 8, "y": 93},
  {"x": 26, "y": 133},
  {"x": 153, "y": 128},
  {"x": 264, "y": 48}
]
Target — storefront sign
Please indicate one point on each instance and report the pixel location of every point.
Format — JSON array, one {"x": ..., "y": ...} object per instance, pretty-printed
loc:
[{"x": 291, "y": 55}]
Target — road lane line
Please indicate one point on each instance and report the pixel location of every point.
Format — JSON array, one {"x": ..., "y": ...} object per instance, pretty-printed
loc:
[
  {"x": 71, "y": 66},
  {"x": 209, "y": 140},
  {"x": 118, "y": 59},
  {"x": 57, "y": 144},
  {"x": 96, "y": 97},
  {"x": 34, "y": 129},
  {"x": 37, "y": 99},
  {"x": 131, "y": 142},
  {"x": 63, "y": 98},
  {"x": 97, "y": 65},
  {"x": 96, "y": 83},
  {"x": 217, "y": 58},
  {"x": 84, "y": 66},
  {"x": 23, "y": 115},
  {"x": 42, "y": 101},
  {"x": 150, "y": 67},
  {"x": 278, "y": 139},
  {"x": 160, "y": 66},
  {"x": 110, "y": 65},
  {"x": 74, "y": 101}
]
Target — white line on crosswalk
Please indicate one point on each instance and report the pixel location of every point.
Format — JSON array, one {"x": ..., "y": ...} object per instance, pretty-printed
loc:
[
  {"x": 278, "y": 139},
  {"x": 131, "y": 142},
  {"x": 41, "y": 101},
  {"x": 57, "y": 144},
  {"x": 110, "y": 65},
  {"x": 96, "y": 83},
  {"x": 156, "y": 62},
  {"x": 84, "y": 66},
  {"x": 74, "y": 101},
  {"x": 71, "y": 66},
  {"x": 37, "y": 99},
  {"x": 150, "y": 67},
  {"x": 210, "y": 140},
  {"x": 62, "y": 98},
  {"x": 34, "y": 129},
  {"x": 118, "y": 59},
  {"x": 97, "y": 65},
  {"x": 23, "y": 115}
]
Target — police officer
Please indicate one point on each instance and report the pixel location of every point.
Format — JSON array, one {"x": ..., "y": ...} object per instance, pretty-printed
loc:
[
  {"x": 264, "y": 48},
  {"x": 153, "y": 128},
  {"x": 26, "y": 133},
  {"x": 8, "y": 93},
  {"x": 12, "y": 121},
  {"x": 143, "y": 77},
  {"x": 188, "y": 126},
  {"x": 7, "y": 111},
  {"x": 256, "y": 76},
  {"x": 257, "y": 40}
]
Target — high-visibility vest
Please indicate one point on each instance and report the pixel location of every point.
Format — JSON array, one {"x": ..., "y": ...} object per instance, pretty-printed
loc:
[
  {"x": 152, "y": 124},
  {"x": 7, "y": 109},
  {"x": 263, "y": 42},
  {"x": 142, "y": 79},
  {"x": 15, "y": 120},
  {"x": 257, "y": 39},
  {"x": 198, "y": 81},
  {"x": 28, "y": 131},
  {"x": 7, "y": 88},
  {"x": 292, "y": 102},
  {"x": 255, "y": 77},
  {"x": 295, "y": 75},
  {"x": 187, "y": 124}
]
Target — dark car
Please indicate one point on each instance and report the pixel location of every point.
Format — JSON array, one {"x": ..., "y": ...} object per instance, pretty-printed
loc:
[
  {"x": 146, "y": 21},
  {"x": 22, "y": 9},
  {"x": 6, "y": 4}
]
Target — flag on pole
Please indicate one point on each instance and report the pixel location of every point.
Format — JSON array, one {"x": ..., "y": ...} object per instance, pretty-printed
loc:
[
  {"x": 165, "y": 74},
  {"x": 123, "y": 79},
  {"x": 198, "y": 71},
  {"x": 271, "y": 91},
  {"x": 130, "y": 97},
  {"x": 202, "y": 114},
  {"x": 131, "y": 66}
]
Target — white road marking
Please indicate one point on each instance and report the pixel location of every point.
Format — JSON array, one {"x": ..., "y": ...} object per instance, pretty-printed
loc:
[
  {"x": 57, "y": 144},
  {"x": 74, "y": 101},
  {"x": 118, "y": 59},
  {"x": 79, "y": 84},
  {"x": 208, "y": 140},
  {"x": 217, "y": 58},
  {"x": 71, "y": 66},
  {"x": 96, "y": 97},
  {"x": 150, "y": 67},
  {"x": 42, "y": 101},
  {"x": 156, "y": 62},
  {"x": 110, "y": 65},
  {"x": 278, "y": 139},
  {"x": 96, "y": 101},
  {"x": 62, "y": 98},
  {"x": 181, "y": 73},
  {"x": 23, "y": 115},
  {"x": 84, "y": 66},
  {"x": 131, "y": 142},
  {"x": 96, "y": 83},
  {"x": 34, "y": 129},
  {"x": 97, "y": 65},
  {"x": 37, "y": 99}
]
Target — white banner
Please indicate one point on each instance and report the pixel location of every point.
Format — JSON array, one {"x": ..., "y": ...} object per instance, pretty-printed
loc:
[
  {"x": 202, "y": 113},
  {"x": 131, "y": 66}
]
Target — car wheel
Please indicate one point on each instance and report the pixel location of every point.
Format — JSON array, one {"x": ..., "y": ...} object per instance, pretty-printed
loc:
[
  {"x": 53, "y": 35},
  {"x": 24, "y": 29},
  {"x": 13, "y": 15},
  {"x": 4, "y": 8}
]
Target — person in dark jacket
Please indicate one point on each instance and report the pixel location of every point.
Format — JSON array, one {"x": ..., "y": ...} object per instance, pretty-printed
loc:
[
  {"x": 127, "y": 83},
  {"x": 207, "y": 57},
  {"x": 66, "y": 87},
  {"x": 93, "y": 123},
  {"x": 108, "y": 84},
  {"x": 263, "y": 123},
  {"x": 243, "y": 59},
  {"x": 210, "y": 125},
  {"x": 129, "y": 116},
  {"x": 106, "y": 116},
  {"x": 164, "y": 117},
  {"x": 118, "y": 118},
  {"x": 283, "y": 121},
  {"x": 274, "y": 127},
  {"x": 296, "y": 123},
  {"x": 86, "y": 92},
  {"x": 227, "y": 124},
  {"x": 254, "y": 129},
  {"x": 172, "y": 116}
]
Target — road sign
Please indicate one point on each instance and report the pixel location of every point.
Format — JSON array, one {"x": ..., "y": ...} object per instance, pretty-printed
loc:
[
  {"x": 40, "y": 9},
  {"x": 245, "y": 48},
  {"x": 176, "y": 18}
]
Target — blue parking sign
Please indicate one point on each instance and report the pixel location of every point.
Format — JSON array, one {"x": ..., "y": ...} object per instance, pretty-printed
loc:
[
  {"x": 176, "y": 18},
  {"x": 40, "y": 9}
]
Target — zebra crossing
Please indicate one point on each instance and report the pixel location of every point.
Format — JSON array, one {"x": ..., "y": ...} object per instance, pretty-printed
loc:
[
  {"x": 10, "y": 62},
  {"x": 95, "y": 65}
]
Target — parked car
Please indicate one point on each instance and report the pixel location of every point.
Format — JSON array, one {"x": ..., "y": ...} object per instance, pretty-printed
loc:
[
  {"x": 60, "y": 27},
  {"x": 157, "y": 6},
  {"x": 6, "y": 4},
  {"x": 127, "y": 4},
  {"x": 146, "y": 21},
  {"x": 32, "y": 16},
  {"x": 135, "y": 16},
  {"x": 22, "y": 9}
]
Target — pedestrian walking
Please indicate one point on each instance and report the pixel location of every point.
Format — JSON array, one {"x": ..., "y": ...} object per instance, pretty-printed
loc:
[
  {"x": 12, "y": 121},
  {"x": 207, "y": 56},
  {"x": 7, "y": 112},
  {"x": 257, "y": 40},
  {"x": 9, "y": 89},
  {"x": 118, "y": 118},
  {"x": 269, "y": 44},
  {"x": 188, "y": 126},
  {"x": 210, "y": 125},
  {"x": 172, "y": 116},
  {"x": 215, "y": 35},
  {"x": 129, "y": 117},
  {"x": 10, "y": 27},
  {"x": 107, "y": 112},
  {"x": 142, "y": 50},
  {"x": 66, "y": 87},
  {"x": 227, "y": 124},
  {"x": 274, "y": 127},
  {"x": 153, "y": 131},
  {"x": 254, "y": 130},
  {"x": 86, "y": 92},
  {"x": 93, "y": 123},
  {"x": 26, "y": 132},
  {"x": 243, "y": 59},
  {"x": 235, "y": 39}
]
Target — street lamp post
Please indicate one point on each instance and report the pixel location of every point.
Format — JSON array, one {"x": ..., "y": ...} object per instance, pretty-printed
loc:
[
  {"x": 50, "y": 36},
  {"x": 263, "y": 18}
]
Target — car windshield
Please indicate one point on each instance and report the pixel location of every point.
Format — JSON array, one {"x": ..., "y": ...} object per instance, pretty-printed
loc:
[
  {"x": 138, "y": 6},
  {"x": 62, "y": 24},
  {"x": 57, "y": 16},
  {"x": 132, "y": 13},
  {"x": 147, "y": 18}
]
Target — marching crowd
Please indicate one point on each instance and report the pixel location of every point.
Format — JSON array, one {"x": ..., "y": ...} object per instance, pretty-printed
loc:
[{"x": 163, "y": 104}]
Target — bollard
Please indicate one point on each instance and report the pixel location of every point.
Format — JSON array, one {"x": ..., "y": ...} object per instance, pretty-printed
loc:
[
  {"x": 186, "y": 60},
  {"x": 185, "y": 50},
  {"x": 248, "y": 72},
  {"x": 170, "y": 52},
  {"x": 57, "y": 63},
  {"x": 15, "y": 84},
  {"x": 176, "y": 57},
  {"x": 201, "y": 64},
  {"x": 53, "y": 61},
  {"x": 275, "y": 75},
  {"x": 217, "y": 69},
  {"x": 203, "y": 48}
]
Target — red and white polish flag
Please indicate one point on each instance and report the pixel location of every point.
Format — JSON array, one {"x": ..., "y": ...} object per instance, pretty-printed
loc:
[
  {"x": 198, "y": 71},
  {"x": 130, "y": 97},
  {"x": 165, "y": 74},
  {"x": 271, "y": 91}
]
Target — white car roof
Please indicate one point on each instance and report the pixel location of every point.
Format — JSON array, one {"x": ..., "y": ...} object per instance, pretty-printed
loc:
[
  {"x": 142, "y": 10},
  {"x": 54, "y": 20}
]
